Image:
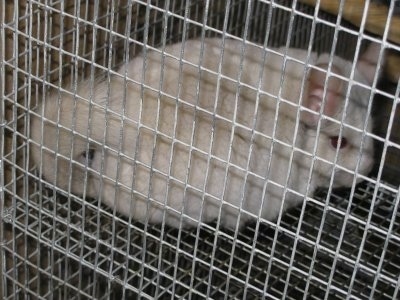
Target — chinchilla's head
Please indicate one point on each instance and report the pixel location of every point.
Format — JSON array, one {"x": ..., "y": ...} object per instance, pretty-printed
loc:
[{"x": 336, "y": 113}]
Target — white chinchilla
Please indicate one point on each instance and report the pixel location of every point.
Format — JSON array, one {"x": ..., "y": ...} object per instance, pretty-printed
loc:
[{"x": 189, "y": 133}]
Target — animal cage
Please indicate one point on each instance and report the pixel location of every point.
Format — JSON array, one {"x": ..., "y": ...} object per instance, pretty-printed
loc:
[{"x": 56, "y": 244}]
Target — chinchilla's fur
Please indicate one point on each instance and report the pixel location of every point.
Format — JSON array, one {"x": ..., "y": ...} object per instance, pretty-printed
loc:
[{"x": 213, "y": 129}]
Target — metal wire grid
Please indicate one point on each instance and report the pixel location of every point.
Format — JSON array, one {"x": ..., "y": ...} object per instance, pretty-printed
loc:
[
  {"x": 69, "y": 256},
  {"x": 77, "y": 259}
]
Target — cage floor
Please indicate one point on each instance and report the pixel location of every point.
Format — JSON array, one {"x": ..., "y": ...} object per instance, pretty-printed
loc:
[{"x": 75, "y": 252}]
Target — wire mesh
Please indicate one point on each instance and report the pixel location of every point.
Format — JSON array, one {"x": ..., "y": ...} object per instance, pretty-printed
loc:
[
  {"x": 57, "y": 246},
  {"x": 76, "y": 258}
]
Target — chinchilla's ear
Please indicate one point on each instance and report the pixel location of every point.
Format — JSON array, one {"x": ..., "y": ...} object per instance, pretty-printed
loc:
[
  {"x": 367, "y": 65},
  {"x": 314, "y": 99}
]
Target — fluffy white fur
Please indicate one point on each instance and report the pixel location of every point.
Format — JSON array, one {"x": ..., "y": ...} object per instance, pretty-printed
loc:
[{"x": 195, "y": 137}]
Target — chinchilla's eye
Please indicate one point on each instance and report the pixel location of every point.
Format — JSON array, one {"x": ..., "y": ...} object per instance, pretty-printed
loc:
[{"x": 336, "y": 142}]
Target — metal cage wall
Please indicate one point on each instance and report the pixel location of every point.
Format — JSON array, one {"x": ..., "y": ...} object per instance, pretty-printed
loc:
[{"x": 341, "y": 244}]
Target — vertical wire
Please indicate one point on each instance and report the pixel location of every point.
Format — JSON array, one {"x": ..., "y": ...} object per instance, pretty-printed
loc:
[
  {"x": 141, "y": 109},
  {"x": 4, "y": 213},
  {"x": 74, "y": 76},
  {"x": 110, "y": 25},
  {"x": 90, "y": 100},
  {"x": 128, "y": 25},
  {"x": 214, "y": 249},
  {"x": 15, "y": 19},
  {"x": 249, "y": 9},
  {"x": 28, "y": 66},
  {"x": 196, "y": 244},
  {"x": 48, "y": 23},
  {"x": 257, "y": 228},
  {"x": 159, "y": 113}
]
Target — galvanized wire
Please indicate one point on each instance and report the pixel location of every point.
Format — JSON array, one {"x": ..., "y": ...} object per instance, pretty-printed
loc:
[{"x": 337, "y": 245}]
